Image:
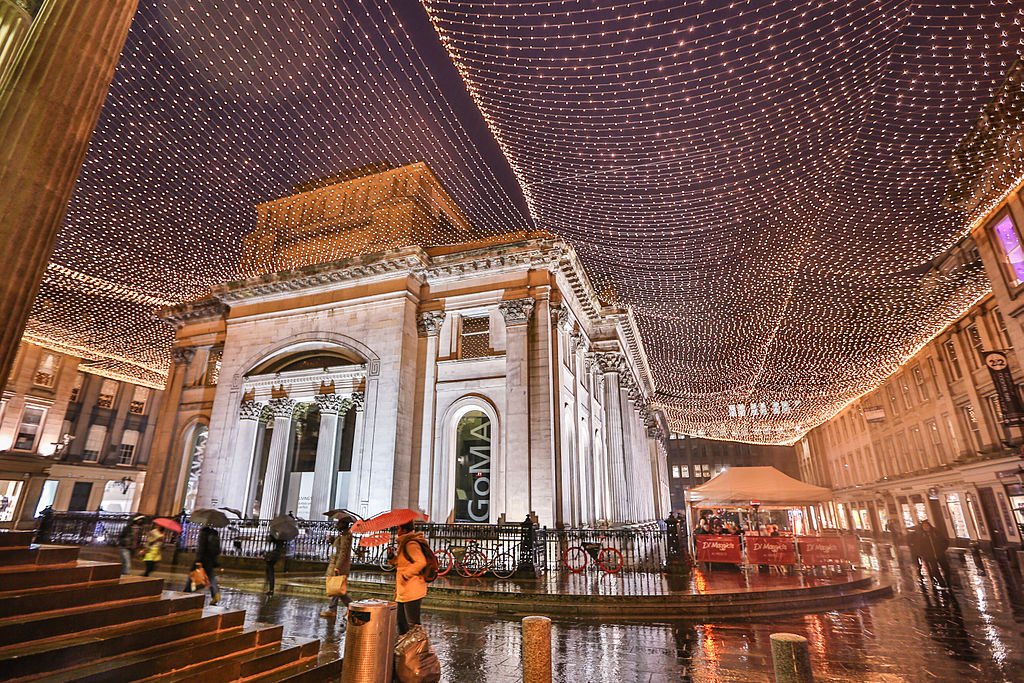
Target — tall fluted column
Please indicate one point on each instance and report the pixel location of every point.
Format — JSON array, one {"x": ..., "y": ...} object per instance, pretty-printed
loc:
[
  {"x": 163, "y": 480},
  {"x": 14, "y": 25},
  {"x": 515, "y": 450},
  {"x": 355, "y": 503},
  {"x": 325, "y": 471},
  {"x": 47, "y": 114},
  {"x": 242, "y": 461},
  {"x": 277, "y": 460},
  {"x": 429, "y": 325},
  {"x": 612, "y": 364}
]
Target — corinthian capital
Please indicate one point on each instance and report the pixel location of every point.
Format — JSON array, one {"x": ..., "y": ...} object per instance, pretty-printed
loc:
[
  {"x": 182, "y": 355},
  {"x": 282, "y": 407},
  {"x": 429, "y": 322},
  {"x": 333, "y": 403},
  {"x": 517, "y": 311},
  {"x": 251, "y": 410},
  {"x": 358, "y": 399},
  {"x": 610, "y": 361}
]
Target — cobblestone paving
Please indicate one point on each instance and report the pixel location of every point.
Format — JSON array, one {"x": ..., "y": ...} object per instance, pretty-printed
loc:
[{"x": 974, "y": 634}]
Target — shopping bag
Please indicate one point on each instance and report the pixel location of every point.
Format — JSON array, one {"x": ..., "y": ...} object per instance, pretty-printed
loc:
[
  {"x": 415, "y": 660},
  {"x": 337, "y": 585},
  {"x": 199, "y": 578}
]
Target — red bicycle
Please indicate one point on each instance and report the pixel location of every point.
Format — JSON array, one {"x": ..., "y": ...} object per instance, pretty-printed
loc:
[{"x": 575, "y": 558}]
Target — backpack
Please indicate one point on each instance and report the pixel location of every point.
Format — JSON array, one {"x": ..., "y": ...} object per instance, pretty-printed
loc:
[{"x": 429, "y": 572}]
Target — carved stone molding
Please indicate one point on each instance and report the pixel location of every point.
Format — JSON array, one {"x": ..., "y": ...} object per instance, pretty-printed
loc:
[
  {"x": 577, "y": 340},
  {"x": 194, "y": 311},
  {"x": 358, "y": 400},
  {"x": 610, "y": 361},
  {"x": 182, "y": 355},
  {"x": 282, "y": 407},
  {"x": 560, "y": 316},
  {"x": 333, "y": 403},
  {"x": 517, "y": 311},
  {"x": 655, "y": 433},
  {"x": 430, "y": 322},
  {"x": 251, "y": 410},
  {"x": 266, "y": 415}
]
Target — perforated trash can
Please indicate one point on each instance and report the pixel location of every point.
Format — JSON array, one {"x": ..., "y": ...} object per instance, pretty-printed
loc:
[{"x": 370, "y": 642}]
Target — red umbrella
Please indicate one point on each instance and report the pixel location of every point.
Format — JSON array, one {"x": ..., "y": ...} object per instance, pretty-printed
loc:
[
  {"x": 386, "y": 520},
  {"x": 168, "y": 524},
  {"x": 375, "y": 540}
]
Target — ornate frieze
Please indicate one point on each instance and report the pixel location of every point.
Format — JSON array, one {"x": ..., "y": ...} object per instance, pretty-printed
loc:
[
  {"x": 251, "y": 410},
  {"x": 281, "y": 407},
  {"x": 333, "y": 403},
  {"x": 430, "y": 322},
  {"x": 517, "y": 311},
  {"x": 182, "y": 355}
]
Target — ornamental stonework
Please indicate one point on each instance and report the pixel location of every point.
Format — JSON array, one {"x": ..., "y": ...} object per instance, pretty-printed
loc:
[
  {"x": 610, "y": 361},
  {"x": 333, "y": 403},
  {"x": 282, "y": 407},
  {"x": 517, "y": 311},
  {"x": 182, "y": 355},
  {"x": 358, "y": 400},
  {"x": 430, "y": 322},
  {"x": 251, "y": 410}
]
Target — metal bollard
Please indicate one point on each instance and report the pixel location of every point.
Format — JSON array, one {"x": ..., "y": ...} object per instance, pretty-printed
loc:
[
  {"x": 792, "y": 658},
  {"x": 536, "y": 650}
]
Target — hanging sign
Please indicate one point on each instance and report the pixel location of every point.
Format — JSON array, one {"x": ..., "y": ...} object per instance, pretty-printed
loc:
[
  {"x": 770, "y": 550},
  {"x": 711, "y": 548},
  {"x": 822, "y": 550},
  {"x": 1006, "y": 390}
]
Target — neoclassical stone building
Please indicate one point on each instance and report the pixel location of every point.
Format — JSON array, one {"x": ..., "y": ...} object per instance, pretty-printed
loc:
[{"x": 478, "y": 382}]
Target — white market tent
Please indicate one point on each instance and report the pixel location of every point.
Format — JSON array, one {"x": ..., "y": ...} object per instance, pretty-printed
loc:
[{"x": 739, "y": 486}]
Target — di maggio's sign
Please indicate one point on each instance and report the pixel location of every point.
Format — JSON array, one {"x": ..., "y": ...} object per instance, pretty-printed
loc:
[{"x": 473, "y": 469}]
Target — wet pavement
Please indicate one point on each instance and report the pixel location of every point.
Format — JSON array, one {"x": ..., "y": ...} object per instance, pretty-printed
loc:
[{"x": 976, "y": 633}]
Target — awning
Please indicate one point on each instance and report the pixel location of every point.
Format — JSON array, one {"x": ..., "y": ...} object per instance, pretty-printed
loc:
[{"x": 739, "y": 486}]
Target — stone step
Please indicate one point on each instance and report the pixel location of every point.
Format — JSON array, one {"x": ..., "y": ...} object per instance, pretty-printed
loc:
[
  {"x": 173, "y": 660},
  {"x": 176, "y": 630},
  {"x": 20, "y": 577},
  {"x": 24, "y": 629},
  {"x": 267, "y": 657},
  {"x": 15, "y": 539},
  {"x": 38, "y": 600},
  {"x": 323, "y": 667},
  {"x": 38, "y": 555}
]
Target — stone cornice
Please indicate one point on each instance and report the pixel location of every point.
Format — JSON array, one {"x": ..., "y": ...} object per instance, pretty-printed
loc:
[{"x": 193, "y": 312}]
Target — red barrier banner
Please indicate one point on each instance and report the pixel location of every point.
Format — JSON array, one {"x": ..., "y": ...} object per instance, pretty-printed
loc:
[
  {"x": 770, "y": 550},
  {"x": 852, "y": 548},
  {"x": 712, "y": 548},
  {"x": 822, "y": 550}
]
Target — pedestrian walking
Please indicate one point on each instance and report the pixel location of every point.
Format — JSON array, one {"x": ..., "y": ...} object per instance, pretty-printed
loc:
[
  {"x": 207, "y": 554},
  {"x": 127, "y": 541},
  {"x": 410, "y": 584},
  {"x": 340, "y": 565},
  {"x": 152, "y": 551},
  {"x": 931, "y": 544},
  {"x": 277, "y": 550}
]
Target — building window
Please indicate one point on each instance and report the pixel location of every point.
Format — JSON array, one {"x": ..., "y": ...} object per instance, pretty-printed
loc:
[
  {"x": 908, "y": 403},
  {"x": 1004, "y": 334},
  {"x": 922, "y": 388},
  {"x": 29, "y": 429},
  {"x": 126, "y": 451},
  {"x": 473, "y": 468},
  {"x": 935, "y": 376},
  {"x": 890, "y": 390},
  {"x": 1012, "y": 256},
  {"x": 76, "y": 391},
  {"x": 475, "y": 338},
  {"x": 971, "y": 420},
  {"x": 685, "y": 471},
  {"x": 936, "y": 438},
  {"x": 108, "y": 390},
  {"x": 46, "y": 372},
  {"x": 949, "y": 346},
  {"x": 978, "y": 357},
  {"x": 94, "y": 443},
  {"x": 953, "y": 439},
  {"x": 139, "y": 399},
  {"x": 213, "y": 363},
  {"x": 675, "y": 472}
]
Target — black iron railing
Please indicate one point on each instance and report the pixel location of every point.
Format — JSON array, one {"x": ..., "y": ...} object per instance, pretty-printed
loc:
[{"x": 643, "y": 548}]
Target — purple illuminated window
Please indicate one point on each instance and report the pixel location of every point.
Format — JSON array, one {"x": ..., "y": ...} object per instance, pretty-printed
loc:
[{"x": 1012, "y": 250}]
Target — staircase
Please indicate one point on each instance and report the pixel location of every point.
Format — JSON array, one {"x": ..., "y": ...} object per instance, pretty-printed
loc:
[{"x": 65, "y": 619}]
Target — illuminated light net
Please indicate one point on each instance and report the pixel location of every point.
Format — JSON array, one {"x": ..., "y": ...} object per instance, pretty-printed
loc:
[{"x": 761, "y": 181}]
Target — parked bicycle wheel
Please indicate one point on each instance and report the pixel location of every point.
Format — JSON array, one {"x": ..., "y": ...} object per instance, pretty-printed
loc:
[
  {"x": 474, "y": 563},
  {"x": 575, "y": 559},
  {"x": 503, "y": 565},
  {"x": 389, "y": 551},
  {"x": 610, "y": 560},
  {"x": 444, "y": 562}
]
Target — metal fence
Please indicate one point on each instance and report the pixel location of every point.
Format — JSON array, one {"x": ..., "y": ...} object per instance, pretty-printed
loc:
[{"x": 643, "y": 548}]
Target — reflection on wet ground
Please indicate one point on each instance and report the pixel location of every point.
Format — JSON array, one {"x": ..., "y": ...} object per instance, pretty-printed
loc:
[{"x": 973, "y": 634}]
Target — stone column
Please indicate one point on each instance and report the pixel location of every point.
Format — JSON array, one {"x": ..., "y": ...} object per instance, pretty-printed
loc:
[
  {"x": 163, "y": 484},
  {"x": 325, "y": 472},
  {"x": 428, "y": 324},
  {"x": 277, "y": 460},
  {"x": 48, "y": 111},
  {"x": 514, "y": 488},
  {"x": 611, "y": 365},
  {"x": 14, "y": 25},
  {"x": 242, "y": 461},
  {"x": 355, "y": 478}
]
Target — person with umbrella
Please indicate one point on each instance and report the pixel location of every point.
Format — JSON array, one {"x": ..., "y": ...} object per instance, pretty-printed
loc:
[
  {"x": 282, "y": 530},
  {"x": 410, "y": 585},
  {"x": 152, "y": 550},
  {"x": 341, "y": 559},
  {"x": 208, "y": 549}
]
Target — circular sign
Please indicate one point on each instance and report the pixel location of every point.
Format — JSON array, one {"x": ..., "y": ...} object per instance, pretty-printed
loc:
[{"x": 996, "y": 361}]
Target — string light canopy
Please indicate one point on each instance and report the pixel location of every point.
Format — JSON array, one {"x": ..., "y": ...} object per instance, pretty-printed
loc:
[{"x": 760, "y": 181}]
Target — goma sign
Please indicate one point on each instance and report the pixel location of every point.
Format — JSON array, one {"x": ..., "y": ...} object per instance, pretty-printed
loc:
[
  {"x": 770, "y": 550},
  {"x": 822, "y": 550},
  {"x": 718, "y": 548}
]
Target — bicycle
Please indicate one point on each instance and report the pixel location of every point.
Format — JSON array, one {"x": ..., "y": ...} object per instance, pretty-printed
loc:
[{"x": 607, "y": 558}]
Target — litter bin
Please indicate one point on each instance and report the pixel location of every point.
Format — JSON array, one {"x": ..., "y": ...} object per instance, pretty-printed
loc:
[{"x": 370, "y": 642}]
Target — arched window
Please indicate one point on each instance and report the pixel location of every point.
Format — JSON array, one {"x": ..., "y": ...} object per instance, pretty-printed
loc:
[
  {"x": 195, "y": 449},
  {"x": 473, "y": 468}
]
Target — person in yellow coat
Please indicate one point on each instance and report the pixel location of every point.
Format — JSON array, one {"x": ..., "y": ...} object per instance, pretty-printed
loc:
[
  {"x": 410, "y": 585},
  {"x": 152, "y": 551}
]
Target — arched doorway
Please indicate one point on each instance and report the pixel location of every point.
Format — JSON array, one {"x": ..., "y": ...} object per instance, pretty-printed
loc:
[{"x": 473, "y": 454}]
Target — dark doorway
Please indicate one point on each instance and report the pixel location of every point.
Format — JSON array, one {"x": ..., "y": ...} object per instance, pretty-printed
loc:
[
  {"x": 937, "y": 518},
  {"x": 990, "y": 509},
  {"x": 80, "y": 496}
]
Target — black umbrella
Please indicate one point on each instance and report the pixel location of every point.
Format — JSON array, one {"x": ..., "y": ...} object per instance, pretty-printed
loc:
[
  {"x": 214, "y": 518},
  {"x": 236, "y": 513},
  {"x": 283, "y": 528},
  {"x": 340, "y": 514}
]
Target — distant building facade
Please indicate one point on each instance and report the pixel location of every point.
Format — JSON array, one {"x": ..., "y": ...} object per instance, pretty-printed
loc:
[
  {"x": 478, "y": 382},
  {"x": 71, "y": 439},
  {"x": 692, "y": 461}
]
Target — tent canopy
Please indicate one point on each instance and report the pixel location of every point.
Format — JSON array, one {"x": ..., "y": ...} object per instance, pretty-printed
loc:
[{"x": 738, "y": 486}]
